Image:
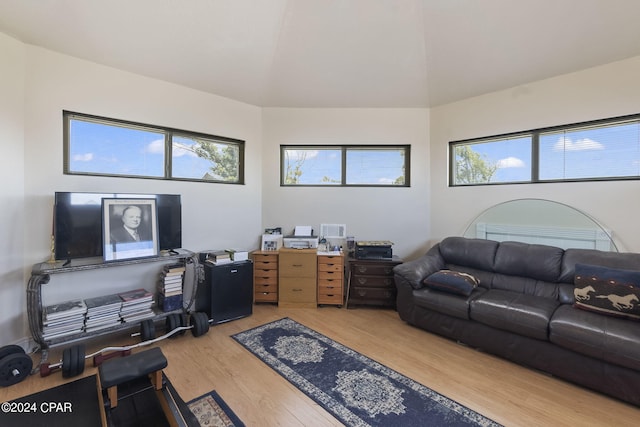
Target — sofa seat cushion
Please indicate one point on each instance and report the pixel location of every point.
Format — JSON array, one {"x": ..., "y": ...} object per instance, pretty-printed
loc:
[
  {"x": 445, "y": 302},
  {"x": 606, "y": 338},
  {"x": 522, "y": 314}
]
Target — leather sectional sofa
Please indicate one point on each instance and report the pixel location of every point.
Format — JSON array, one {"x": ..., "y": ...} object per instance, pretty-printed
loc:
[{"x": 572, "y": 313}]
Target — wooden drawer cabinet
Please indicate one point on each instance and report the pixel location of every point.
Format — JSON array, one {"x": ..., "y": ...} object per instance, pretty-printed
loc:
[
  {"x": 371, "y": 282},
  {"x": 297, "y": 276},
  {"x": 330, "y": 280},
  {"x": 265, "y": 276}
]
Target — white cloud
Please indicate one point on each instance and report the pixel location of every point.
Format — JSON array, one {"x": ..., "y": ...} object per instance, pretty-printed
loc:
[
  {"x": 156, "y": 147},
  {"x": 566, "y": 144},
  {"x": 86, "y": 157},
  {"x": 301, "y": 154},
  {"x": 510, "y": 162}
]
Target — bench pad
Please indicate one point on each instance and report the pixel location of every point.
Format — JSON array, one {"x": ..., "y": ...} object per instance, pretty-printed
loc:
[{"x": 120, "y": 370}]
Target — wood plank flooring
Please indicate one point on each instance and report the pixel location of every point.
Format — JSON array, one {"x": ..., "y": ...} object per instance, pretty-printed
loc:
[{"x": 509, "y": 394}]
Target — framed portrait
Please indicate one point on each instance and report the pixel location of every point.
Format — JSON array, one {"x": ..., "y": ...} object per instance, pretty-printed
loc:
[{"x": 129, "y": 229}]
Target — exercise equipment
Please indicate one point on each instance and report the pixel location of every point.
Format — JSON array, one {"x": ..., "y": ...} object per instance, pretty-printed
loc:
[
  {"x": 15, "y": 365},
  {"x": 73, "y": 358}
]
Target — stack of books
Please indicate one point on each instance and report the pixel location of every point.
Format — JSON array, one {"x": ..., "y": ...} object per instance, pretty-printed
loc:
[
  {"x": 136, "y": 305},
  {"x": 59, "y": 320},
  {"x": 170, "y": 287},
  {"x": 102, "y": 312},
  {"x": 238, "y": 254},
  {"x": 218, "y": 257}
]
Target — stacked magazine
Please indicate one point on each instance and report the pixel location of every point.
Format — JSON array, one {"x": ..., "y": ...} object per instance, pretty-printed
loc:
[
  {"x": 136, "y": 305},
  {"x": 170, "y": 287},
  {"x": 59, "y": 320},
  {"x": 102, "y": 312}
]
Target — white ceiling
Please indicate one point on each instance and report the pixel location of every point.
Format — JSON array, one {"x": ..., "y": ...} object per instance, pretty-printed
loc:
[{"x": 335, "y": 53}]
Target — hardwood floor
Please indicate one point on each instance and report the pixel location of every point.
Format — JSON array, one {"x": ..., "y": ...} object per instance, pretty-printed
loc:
[{"x": 507, "y": 393}]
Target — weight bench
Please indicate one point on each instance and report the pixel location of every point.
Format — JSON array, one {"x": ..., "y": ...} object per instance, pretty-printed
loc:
[{"x": 118, "y": 371}]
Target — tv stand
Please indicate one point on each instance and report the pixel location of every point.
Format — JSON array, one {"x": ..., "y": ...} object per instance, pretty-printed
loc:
[{"x": 40, "y": 275}]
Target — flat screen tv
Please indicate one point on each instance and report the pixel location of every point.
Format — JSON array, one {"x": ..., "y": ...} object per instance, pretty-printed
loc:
[{"x": 78, "y": 222}]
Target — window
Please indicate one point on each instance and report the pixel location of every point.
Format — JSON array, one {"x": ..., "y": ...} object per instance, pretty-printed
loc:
[
  {"x": 108, "y": 147},
  {"x": 345, "y": 165},
  {"x": 600, "y": 150}
]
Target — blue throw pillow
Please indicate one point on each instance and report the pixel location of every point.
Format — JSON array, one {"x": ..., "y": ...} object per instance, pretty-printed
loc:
[
  {"x": 451, "y": 281},
  {"x": 607, "y": 290}
]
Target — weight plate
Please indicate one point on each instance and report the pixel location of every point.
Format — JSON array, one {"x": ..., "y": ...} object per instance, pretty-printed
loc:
[
  {"x": 66, "y": 362},
  {"x": 183, "y": 322},
  {"x": 71, "y": 362},
  {"x": 199, "y": 323},
  {"x": 14, "y": 368},
  {"x": 80, "y": 359},
  {"x": 171, "y": 322},
  {"x": 10, "y": 349},
  {"x": 147, "y": 330}
]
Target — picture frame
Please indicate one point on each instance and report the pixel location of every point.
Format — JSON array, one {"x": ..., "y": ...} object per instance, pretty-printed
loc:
[
  {"x": 129, "y": 228},
  {"x": 271, "y": 242}
]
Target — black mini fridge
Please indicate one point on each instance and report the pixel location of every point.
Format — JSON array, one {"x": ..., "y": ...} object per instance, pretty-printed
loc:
[{"x": 226, "y": 293}]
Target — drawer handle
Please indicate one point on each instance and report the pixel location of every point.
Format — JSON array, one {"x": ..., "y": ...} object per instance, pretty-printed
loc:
[
  {"x": 362, "y": 269},
  {"x": 297, "y": 265},
  {"x": 362, "y": 280},
  {"x": 296, "y": 289}
]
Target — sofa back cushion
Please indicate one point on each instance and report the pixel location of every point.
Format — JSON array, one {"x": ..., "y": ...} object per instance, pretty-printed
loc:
[
  {"x": 475, "y": 253},
  {"x": 539, "y": 262},
  {"x": 627, "y": 261}
]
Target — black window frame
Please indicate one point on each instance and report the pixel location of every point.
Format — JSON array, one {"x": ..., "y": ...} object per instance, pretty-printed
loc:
[
  {"x": 344, "y": 148},
  {"x": 535, "y": 152},
  {"x": 168, "y": 133}
]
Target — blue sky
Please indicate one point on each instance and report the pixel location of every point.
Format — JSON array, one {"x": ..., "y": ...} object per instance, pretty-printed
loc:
[
  {"x": 108, "y": 149},
  {"x": 605, "y": 151},
  {"x": 594, "y": 152},
  {"x": 380, "y": 167}
]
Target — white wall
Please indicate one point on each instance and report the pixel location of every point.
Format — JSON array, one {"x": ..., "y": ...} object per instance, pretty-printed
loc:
[
  {"x": 38, "y": 84},
  {"x": 12, "y": 284},
  {"x": 597, "y": 93},
  {"x": 214, "y": 215},
  {"x": 401, "y": 215}
]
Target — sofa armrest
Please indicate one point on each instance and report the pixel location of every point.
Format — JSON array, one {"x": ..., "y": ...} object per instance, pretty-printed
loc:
[{"x": 415, "y": 271}]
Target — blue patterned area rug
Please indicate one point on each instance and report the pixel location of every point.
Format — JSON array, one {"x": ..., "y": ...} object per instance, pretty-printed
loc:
[{"x": 355, "y": 389}]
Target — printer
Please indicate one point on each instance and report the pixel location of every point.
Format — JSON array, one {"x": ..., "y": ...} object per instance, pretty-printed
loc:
[
  {"x": 377, "y": 249},
  {"x": 302, "y": 238}
]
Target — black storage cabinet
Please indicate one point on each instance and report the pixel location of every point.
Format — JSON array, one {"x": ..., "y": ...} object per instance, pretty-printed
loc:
[{"x": 226, "y": 292}]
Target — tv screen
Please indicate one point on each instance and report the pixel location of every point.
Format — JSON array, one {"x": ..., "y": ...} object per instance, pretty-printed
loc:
[{"x": 78, "y": 222}]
